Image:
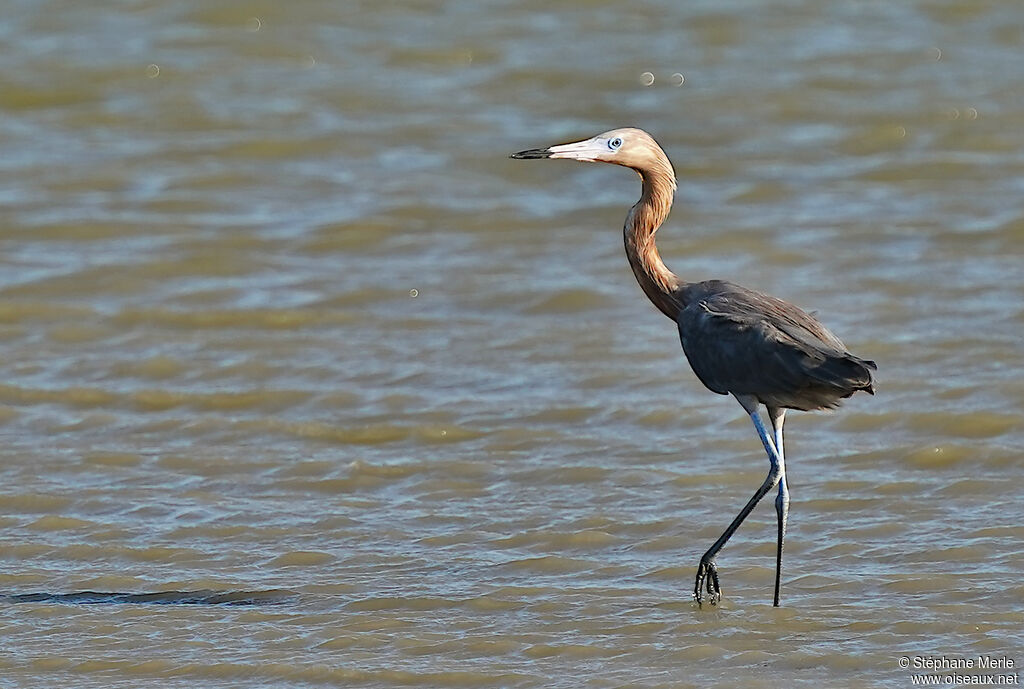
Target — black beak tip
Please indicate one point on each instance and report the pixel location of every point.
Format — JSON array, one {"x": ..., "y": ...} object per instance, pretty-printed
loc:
[{"x": 531, "y": 154}]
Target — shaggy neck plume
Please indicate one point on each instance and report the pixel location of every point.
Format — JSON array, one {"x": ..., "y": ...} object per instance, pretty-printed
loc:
[{"x": 660, "y": 284}]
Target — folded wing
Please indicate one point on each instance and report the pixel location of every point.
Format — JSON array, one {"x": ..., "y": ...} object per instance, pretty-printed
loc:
[{"x": 744, "y": 342}]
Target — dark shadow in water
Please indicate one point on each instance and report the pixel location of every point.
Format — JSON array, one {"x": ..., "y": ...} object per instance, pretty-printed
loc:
[{"x": 271, "y": 597}]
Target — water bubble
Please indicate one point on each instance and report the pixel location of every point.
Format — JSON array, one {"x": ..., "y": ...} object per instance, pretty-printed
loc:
[
  {"x": 679, "y": 78},
  {"x": 901, "y": 132},
  {"x": 953, "y": 114},
  {"x": 647, "y": 78},
  {"x": 153, "y": 71},
  {"x": 414, "y": 293},
  {"x": 971, "y": 114},
  {"x": 310, "y": 61},
  {"x": 935, "y": 53},
  {"x": 253, "y": 24}
]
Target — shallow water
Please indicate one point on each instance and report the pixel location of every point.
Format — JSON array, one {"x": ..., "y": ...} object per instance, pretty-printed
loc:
[{"x": 285, "y": 336}]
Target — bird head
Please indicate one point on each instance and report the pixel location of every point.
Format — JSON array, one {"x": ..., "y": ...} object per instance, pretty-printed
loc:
[{"x": 628, "y": 147}]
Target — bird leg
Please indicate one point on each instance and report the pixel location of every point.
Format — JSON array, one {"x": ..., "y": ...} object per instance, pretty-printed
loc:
[
  {"x": 707, "y": 572},
  {"x": 778, "y": 417}
]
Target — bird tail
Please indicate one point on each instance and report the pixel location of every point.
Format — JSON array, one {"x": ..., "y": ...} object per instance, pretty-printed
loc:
[{"x": 847, "y": 373}]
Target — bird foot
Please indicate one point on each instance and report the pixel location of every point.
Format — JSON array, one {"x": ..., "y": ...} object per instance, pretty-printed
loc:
[{"x": 707, "y": 577}]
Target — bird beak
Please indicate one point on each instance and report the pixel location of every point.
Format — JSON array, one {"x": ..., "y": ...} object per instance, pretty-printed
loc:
[
  {"x": 532, "y": 153},
  {"x": 586, "y": 150}
]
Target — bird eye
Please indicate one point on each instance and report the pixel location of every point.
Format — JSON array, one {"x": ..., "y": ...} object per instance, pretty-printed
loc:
[{"x": 615, "y": 143}]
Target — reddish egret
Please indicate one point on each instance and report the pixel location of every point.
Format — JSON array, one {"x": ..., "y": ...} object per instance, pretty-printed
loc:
[{"x": 759, "y": 349}]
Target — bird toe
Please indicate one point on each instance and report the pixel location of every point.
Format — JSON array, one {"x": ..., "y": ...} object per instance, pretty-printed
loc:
[{"x": 707, "y": 579}]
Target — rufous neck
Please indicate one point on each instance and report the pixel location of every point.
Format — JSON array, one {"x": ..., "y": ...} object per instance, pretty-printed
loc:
[{"x": 659, "y": 283}]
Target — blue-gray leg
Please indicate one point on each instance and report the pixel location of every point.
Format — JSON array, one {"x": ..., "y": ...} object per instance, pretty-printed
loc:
[
  {"x": 707, "y": 572},
  {"x": 778, "y": 417}
]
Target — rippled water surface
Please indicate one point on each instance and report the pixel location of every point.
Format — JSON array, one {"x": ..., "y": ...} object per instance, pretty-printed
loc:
[{"x": 312, "y": 386}]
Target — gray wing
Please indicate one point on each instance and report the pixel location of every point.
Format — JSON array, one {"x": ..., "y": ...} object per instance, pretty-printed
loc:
[{"x": 747, "y": 343}]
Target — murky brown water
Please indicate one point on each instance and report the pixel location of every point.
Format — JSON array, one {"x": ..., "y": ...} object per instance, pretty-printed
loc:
[{"x": 278, "y": 316}]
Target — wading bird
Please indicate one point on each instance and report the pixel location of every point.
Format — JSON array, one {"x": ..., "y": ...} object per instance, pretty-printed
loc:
[{"x": 759, "y": 349}]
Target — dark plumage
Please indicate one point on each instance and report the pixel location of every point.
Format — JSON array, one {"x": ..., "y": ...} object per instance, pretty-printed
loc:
[
  {"x": 743, "y": 342},
  {"x": 759, "y": 349}
]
